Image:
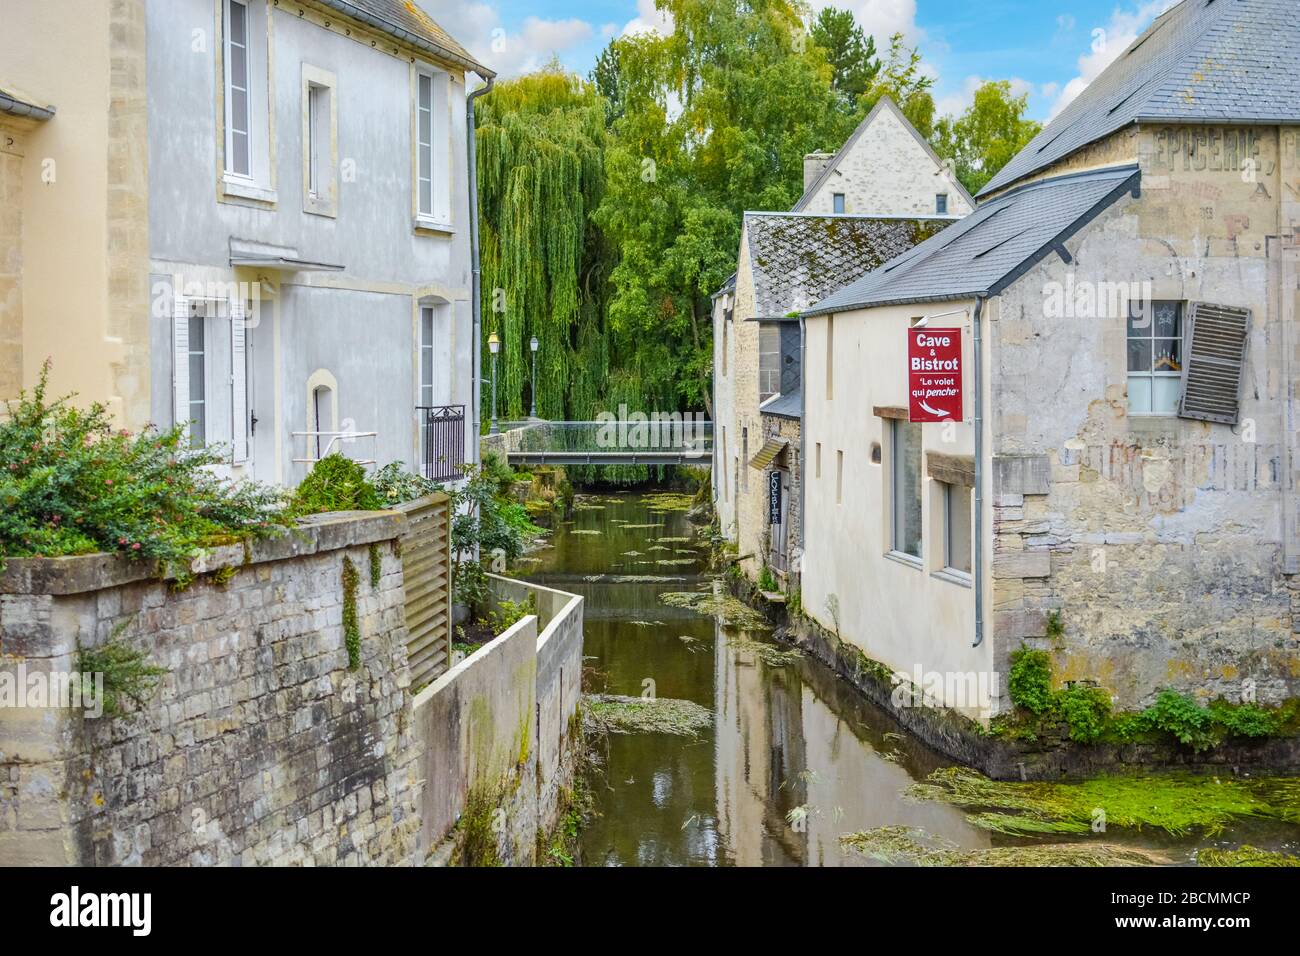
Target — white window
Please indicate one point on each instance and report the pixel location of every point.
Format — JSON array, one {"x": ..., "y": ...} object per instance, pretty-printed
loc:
[
  {"x": 246, "y": 114},
  {"x": 426, "y": 379},
  {"x": 905, "y": 487},
  {"x": 238, "y": 96},
  {"x": 839, "y": 476},
  {"x": 319, "y": 141},
  {"x": 837, "y": 201},
  {"x": 317, "y": 138},
  {"x": 957, "y": 527},
  {"x": 1155, "y": 357},
  {"x": 198, "y": 380},
  {"x": 769, "y": 360},
  {"x": 210, "y": 378},
  {"x": 432, "y": 148}
]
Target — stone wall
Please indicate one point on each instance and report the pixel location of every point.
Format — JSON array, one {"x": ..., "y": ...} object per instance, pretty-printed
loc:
[
  {"x": 888, "y": 172},
  {"x": 1161, "y": 542},
  {"x": 497, "y": 735},
  {"x": 260, "y": 746}
]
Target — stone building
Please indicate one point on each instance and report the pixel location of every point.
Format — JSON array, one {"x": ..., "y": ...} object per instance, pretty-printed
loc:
[
  {"x": 861, "y": 206},
  {"x": 266, "y": 236},
  {"x": 1126, "y": 294}
]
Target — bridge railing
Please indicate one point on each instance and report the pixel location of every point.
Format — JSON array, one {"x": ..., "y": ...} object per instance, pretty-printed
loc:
[{"x": 685, "y": 436}]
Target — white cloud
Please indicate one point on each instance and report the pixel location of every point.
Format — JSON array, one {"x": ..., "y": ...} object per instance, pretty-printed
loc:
[
  {"x": 881, "y": 18},
  {"x": 1106, "y": 43},
  {"x": 649, "y": 20},
  {"x": 954, "y": 104},
  {"x": 478, "y": 27}
]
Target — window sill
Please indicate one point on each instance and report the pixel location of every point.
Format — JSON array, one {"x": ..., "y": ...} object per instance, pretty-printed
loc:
[
  {"x": 953, "y": 576},
  {"x": 246, "y": 189},
  {"x": 316, "y": 206},
  {"x": 907, "y": 559},
  {"x": 431, "y": 227}
]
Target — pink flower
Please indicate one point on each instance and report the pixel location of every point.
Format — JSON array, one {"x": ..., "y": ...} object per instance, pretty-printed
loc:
[
  {"x": 108, "y": 481},
  {"x": 136, "y": 546}
]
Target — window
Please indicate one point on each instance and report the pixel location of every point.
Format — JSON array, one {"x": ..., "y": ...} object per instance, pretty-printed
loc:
[
  {"x": 905, "y": 487},
  {"x": 722, "y": 460},
  {"x": 769, "y": 360},
  {"x": 839, "y": 477},
  {"x": 744, "y": 456},
  {"x": 432, "y": 148},
  {"x": 319, "y": 141},
  {"x": 837, "y": 201},
  {"x": 321, "y": 418},
  {"x": 426, "y": 378},
  {"x": 198, "y": 379},
  {"x": 238, "y": 98},
  {"x": 245, "y": 116},
  {"x": 818, "y": 460},
  {"x": 957, "y": 527},
  {"x": 1155, "y": 357},
  {"x": 941, "y": 204},
  {"x": 726, "y": 321},
  {"x": 830, "y": 354}
]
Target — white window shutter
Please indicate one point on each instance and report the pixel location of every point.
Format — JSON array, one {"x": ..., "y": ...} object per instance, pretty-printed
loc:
[
  {"x": 238, "y": 384},
  {"x": 1212, "y": 368},
  {"x": 181, "y": 363}
]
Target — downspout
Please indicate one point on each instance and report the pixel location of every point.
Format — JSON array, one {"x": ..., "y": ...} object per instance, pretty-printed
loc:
[
  {"x": 803, "y": 433},
  {"x": 978, "y": 548},
  {"x": 476, "y": 281}
]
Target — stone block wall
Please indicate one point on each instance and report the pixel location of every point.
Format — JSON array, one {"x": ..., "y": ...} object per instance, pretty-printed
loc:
[{"x": 260, "y": 746}]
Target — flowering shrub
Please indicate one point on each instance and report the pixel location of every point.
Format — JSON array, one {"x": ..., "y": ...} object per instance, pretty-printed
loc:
[{"x": 72, "y": 484}]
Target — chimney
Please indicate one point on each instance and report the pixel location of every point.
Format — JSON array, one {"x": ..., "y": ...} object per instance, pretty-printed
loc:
[{"x": 813, "y": 164}]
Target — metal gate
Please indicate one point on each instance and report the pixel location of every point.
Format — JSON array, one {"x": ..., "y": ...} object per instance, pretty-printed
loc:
[{"x": 442, "y": 441}]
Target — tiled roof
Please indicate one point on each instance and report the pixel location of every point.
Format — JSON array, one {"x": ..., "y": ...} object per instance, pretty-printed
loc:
[
  {"x": 798, "y": 259},
  {"x": 884, "y": 103},
  {"x": 406, "y": 19},
  {"x": 1203, "y": 61},
  {"x": 992, "y": 247}
]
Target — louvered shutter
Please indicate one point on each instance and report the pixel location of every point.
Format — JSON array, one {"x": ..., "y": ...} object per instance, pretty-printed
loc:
[
  {"x": 238, "y": 384},
  {"x": 1216, "y": 352},
  {"x": 181, "y": 362}
]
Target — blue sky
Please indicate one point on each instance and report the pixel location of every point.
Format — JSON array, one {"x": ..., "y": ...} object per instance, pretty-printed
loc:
[{"x": 1048, "y": 48}]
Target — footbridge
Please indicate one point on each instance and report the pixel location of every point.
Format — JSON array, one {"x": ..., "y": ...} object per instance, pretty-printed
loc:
[{"x": 680, "y": 439}]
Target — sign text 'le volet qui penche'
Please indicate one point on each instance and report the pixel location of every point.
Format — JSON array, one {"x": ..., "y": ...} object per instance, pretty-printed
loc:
[{"x": 934, "y": 390}]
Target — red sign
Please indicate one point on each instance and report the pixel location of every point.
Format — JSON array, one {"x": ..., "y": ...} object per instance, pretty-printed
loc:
[{"x": 934, "y": 375}]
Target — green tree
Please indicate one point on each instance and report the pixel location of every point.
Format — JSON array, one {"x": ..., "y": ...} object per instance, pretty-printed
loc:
[
  {"x": 850, "y": 53},
  {"x": 541, "y": 157},
  {"x": 902, "y": 79},
  {"x": 985, "y": 137},
  {"x": 716, "y": 120}
]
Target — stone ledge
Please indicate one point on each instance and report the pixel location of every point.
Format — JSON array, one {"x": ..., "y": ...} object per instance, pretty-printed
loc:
[{"x": 78, "y": 574}]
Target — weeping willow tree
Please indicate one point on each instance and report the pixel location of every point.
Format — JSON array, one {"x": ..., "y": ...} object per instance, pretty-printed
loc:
[{"x": 541, "y": 141}]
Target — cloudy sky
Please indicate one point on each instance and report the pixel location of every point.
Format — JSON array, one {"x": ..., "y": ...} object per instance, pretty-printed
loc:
[{"x": 1050, "y": 49}]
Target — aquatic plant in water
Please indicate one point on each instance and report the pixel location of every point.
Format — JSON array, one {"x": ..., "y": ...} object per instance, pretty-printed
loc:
[
  {"x": 911, "y": 846},
  {"x": 616, "y": 714},
  {"x": 731, "y": 611},
  {"x": 1177, "y": 803}
]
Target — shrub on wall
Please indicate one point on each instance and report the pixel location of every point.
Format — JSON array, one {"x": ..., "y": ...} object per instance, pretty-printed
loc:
[
  {"x": 1030, "y": 680},
  {"x": 71, "y": 483}
]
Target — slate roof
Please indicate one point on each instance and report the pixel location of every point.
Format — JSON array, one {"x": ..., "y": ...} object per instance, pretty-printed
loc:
[
  {"x": 788, "y": 405},
  {"x": 993, "y": 246},
  {"x": 406, "y": 20},
  {"x": 797, "y": 259},
  {"x": 1202, "y": 61},
  {"x": 884, "y": 103}
]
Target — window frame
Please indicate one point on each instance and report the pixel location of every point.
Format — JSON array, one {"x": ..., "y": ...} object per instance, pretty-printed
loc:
[
  {"x": 1152, "y": 375},
  {"x": 437, "y": 216},
  {"x": 228, "y": 74},
  {"x": 199, "y": 318},
  {"x": 257, "y": 181},
  {"x": 896, "y": 517},
  {"x": 949, "y": 489},
  {"x": 319, "y": 142},
  {"x": 839, "y": 203},
  {"x": 941, "y": 204},
  {"x": 769, "y": 372}
]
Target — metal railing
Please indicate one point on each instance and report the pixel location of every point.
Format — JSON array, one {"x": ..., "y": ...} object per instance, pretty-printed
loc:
[
  {"x": 688, "y": 439},
  {"x": 442, "y": 441}
]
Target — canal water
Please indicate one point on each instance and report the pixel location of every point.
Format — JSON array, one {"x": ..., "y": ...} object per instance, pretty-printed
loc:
[{"x": 795, "y": 757}]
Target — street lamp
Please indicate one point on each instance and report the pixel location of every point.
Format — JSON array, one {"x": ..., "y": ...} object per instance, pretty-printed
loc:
[
  {"x": 494, "y": 346},
  {"x": 532, "y": 344}
]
